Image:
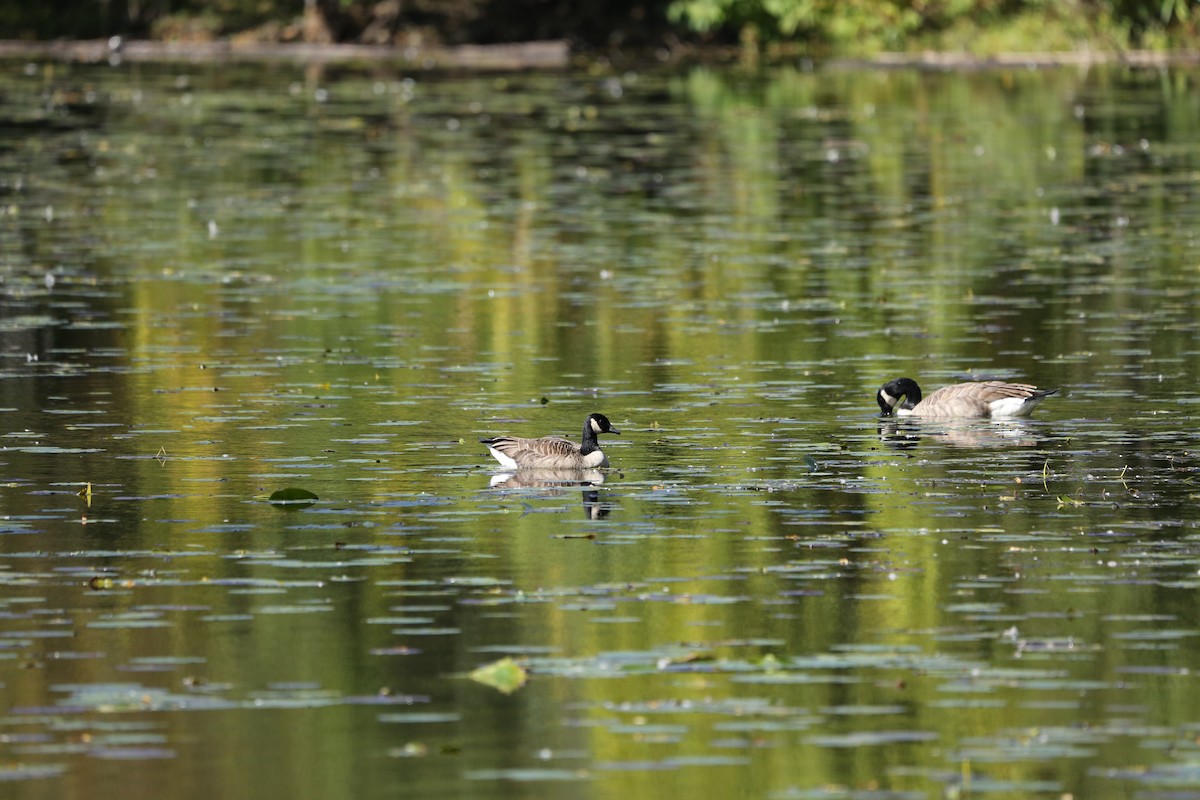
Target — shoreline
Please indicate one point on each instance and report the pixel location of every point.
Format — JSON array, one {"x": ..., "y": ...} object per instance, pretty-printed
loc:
[
  {"x": 537, "y": 55},
  {"x": 550, "y": 54},
  {"x": 933, "y": 60}
]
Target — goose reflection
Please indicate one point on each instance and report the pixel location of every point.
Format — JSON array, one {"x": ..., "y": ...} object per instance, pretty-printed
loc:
[
  {"x": 594, "y": 507},
  {"x": 547, "y": 478},
  {"x": 995, "y": 433},
  {"x": 557, "y": 482}
]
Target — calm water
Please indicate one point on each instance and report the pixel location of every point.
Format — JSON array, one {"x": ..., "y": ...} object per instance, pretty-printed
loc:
[{"x": 217, "y": 282}]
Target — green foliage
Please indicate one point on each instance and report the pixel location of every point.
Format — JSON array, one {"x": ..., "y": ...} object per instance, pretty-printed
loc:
[
  {"x": 1035, "y": 30},
  {"x": 872, "y": 22},
  {"x": 881, "y": 22},
  {"x": 848, "y": 26},
  {"x": 869, "y": 25}
]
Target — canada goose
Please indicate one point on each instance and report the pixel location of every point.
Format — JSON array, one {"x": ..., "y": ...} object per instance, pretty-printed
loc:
[
  {"x": 553, "y": 452},
  {"x": 962, "y": 400}
]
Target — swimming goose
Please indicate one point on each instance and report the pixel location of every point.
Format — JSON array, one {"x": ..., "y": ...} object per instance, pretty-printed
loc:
[
  {"x": 962, "y": 400},
  {"x": 553, "y": 452}
]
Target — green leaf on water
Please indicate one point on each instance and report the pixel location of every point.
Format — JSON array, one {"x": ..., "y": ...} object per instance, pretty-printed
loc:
[
  {"x": 292, "y": 496},
  {"x": 505, "y": 675},
  {"x": 769, "y": 663}
]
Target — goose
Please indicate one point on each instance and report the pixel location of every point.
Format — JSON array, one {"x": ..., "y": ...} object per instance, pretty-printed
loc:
[
  {"x": 962, "y": 400},
  {"x": 553, "y": 452}
]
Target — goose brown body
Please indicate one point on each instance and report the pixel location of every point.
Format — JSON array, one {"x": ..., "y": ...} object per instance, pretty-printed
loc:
[
  {"x": 961, "y": 401},
  {"x": 553, "y": 452}
]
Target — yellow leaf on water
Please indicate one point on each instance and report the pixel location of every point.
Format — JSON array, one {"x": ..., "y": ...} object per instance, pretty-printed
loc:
[{"x": 505, "y": 675}]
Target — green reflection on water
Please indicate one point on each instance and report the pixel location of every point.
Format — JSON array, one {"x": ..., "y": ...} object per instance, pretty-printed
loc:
[{"x": 222, "y": 282}]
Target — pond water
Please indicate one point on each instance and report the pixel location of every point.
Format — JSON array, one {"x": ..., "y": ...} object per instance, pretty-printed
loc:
[{"x": 222, "y": 281}]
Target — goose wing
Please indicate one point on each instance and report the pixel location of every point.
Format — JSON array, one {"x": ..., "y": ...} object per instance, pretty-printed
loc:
[
  {"x": 548, "y": 452},
  {"x": 982, "y": 399}
]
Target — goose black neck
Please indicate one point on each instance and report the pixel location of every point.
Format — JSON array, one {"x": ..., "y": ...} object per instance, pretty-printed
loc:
[
  {"x": 910, "y": 391},
  {"x": 590, "y": 443}
]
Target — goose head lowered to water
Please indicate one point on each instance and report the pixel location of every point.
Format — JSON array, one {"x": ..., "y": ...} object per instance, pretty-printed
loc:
[{"x": 978, "y": 399}]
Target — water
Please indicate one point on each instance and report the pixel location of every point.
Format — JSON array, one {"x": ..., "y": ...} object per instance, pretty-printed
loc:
[{"x": 217, "y": 282}]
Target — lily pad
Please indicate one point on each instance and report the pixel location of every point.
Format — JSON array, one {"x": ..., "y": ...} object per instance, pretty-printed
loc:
[{"x": 292, "y": 496}]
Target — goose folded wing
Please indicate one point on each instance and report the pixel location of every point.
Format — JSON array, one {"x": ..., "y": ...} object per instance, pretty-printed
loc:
[
  {"x": 546, "y": 446},
  {"x": 999, "y": 389},
  {"x": 555, "y": 446}
]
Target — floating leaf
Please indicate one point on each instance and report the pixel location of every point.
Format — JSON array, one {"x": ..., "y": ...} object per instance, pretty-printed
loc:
[
  {"x": 293, "y": 496},
  {"x": 420, "y": 717},
  {"x": 505, "y": 675},
  {"x": 769, "y": 663}
]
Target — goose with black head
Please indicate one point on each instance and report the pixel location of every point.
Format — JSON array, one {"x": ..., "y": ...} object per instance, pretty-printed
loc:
[
  {"x": 978, "y": 399},
  {"x": 554, "y": 452}
]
